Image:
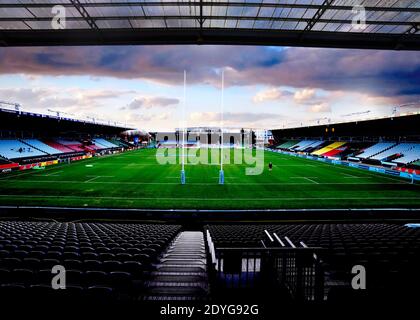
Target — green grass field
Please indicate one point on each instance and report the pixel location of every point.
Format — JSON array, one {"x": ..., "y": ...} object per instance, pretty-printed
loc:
[{"x": 135, "y": 180}]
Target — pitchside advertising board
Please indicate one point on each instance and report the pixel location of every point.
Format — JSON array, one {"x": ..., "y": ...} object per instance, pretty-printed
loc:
[
  {"x": 4, "y": 168},
  {"x": 399, "y": 172},
  {"x": 49, "y": 163}
]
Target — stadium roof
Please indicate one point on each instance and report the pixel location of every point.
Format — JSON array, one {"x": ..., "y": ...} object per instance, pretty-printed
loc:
[
  {"x": 42, "y": 122},
  {"x": 387, "y": 128},
  {"x": 390, "y": 24}
]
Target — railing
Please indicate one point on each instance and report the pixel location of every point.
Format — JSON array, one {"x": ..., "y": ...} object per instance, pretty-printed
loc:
[{"x": 295, "y": 269}]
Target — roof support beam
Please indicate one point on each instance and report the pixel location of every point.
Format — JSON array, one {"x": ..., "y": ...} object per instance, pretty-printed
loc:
[
  {"x": 152, "y": 36},
  {"x": 79, "y": 7},
  {"x": 40, "y": 4},
  {"x": 201, "y": 18},
  {"x": 413, "y": 29},
  {"x": 317, "y": 17}
]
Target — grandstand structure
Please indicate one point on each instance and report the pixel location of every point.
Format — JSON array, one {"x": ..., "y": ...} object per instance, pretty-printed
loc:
[
  {"x": 125, "y": 233},
  {"x": 369, "y": 141},
  {"x": 31, "y": 140},
  {"x": 209, "y": 137}
]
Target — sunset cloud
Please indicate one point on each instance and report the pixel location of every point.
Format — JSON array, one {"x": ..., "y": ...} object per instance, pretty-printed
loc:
[
  {"x": 264, "y": 86},
  {"x": 387, "y": 73},
  {"x": 305, "y": 95},
  {"x": 270, "y": 95},
  {"x": 322, "y": 107},
  {"x": 151, "y": 102}
]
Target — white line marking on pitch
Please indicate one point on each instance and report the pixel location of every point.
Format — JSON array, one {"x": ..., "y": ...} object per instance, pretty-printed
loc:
[
  {"x": 209, "y": 199},
  {"x": 209, "y": 185},
  {"x": 95, "y": 177},
  {"x": 307, "y": 178},
  {"x": 350, "y": 176},
  {"x": 52, "y": 174},
  {"x": 293, "y": 165},
  {"x": 365, "y": 172},
  {"x": 91, "y": 179}
]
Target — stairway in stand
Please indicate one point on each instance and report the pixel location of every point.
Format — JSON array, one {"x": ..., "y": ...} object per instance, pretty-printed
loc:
[{"x": 181, "y": 273}]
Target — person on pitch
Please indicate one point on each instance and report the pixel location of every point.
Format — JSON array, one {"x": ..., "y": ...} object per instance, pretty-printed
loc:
[{"x": 270, "y": 166}]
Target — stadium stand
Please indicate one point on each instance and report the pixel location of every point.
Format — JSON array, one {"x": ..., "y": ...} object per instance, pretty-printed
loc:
[
  {"x": 71, "y": 144},
  {"x": 397, "y": 150},
  {"x": 15, "y": 149},
  {"x": 193, "y": 143},
  {"x": 375, "y": 149},
  {"x": 103, "y": 260},
  {"x": 102, "y": 143},
  {"x": 335, "y": 152},
  {"x": 93, "y": 147},
  {"x": 302, "y": 145},
  {"x": 41, "y": 146},
  {"x": 389, "y": 251},
  {"x": 119, "y": 143},
  {"x": 312, "y": 146},
  {"x": 58, "y": 146},
  {"x": 410, "y": 156},
  {"x": 287, "y": 144},
  {"x": 403, "y": 153},
  {"x": 169, "y": 143},
  {"x": 328, "y": 148}
]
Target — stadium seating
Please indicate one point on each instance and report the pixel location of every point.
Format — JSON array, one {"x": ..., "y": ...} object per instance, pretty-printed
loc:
[
  {"x": 168, "y": 143},
  {"x": 58, "y": 146},
  {"x": 328, "y": 148},
  {"x": 41, "y": 146},
  {"x": 302, "y": 145},
  {"x": 15, "y": 149},
  {"x": 397, "y": 150},
  {"x": 110, "y": 260},
  {"x": 375, "y": 149},
  {"x": 104, "y": 143},
  {"x": 93, "y": 147},
  {"x": 287, "y": 144},
  {"x": 313, "y": 145},
  {"x": 335, "y": 152},
  {"x": 410, "y": 156},
  {"x": 71, "y": 144},
  {"x": 119, "y": 143},
  {"x": 388, "y": 251}
]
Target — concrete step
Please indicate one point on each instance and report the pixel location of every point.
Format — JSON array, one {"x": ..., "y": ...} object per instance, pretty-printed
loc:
[
  {"x": 181, "y": 273},
  {"x": 174, "y": 277},
  {"x": 183, "y": 261},
  {"x": 185, "y": 256},
  {"x": 177, "y": 291},
  {"x": 158, "y": 284},
  {"x": 180, "y": 268},
  {"x": 165, "y": 273},
  {"x": 185, "y": 251}
]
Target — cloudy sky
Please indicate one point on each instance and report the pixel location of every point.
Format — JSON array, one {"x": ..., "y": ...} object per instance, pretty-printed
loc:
[{"x": 265, "y": 87}]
